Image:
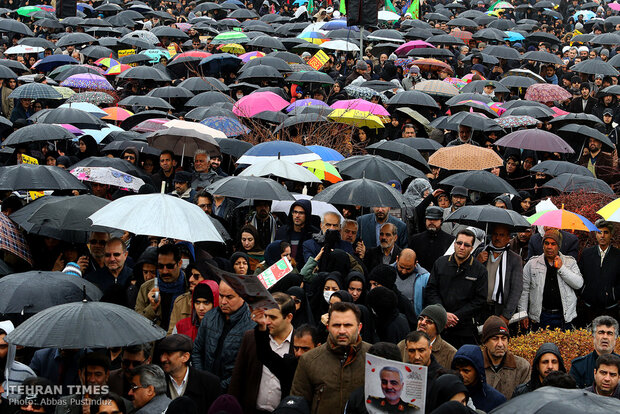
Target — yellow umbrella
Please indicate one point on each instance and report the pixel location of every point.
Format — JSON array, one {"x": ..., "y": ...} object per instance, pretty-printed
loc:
[
  {"x": 232, "y": 48},
  {"x": 611, "y": 212},
  {"x": 64, "y": 91},
  {"x": 356, "y": 117}
]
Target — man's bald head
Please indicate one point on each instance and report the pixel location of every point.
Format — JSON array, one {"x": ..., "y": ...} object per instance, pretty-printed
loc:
[{"x": 406, "y": 262}]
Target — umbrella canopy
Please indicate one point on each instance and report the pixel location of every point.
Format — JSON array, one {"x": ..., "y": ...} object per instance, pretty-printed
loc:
[
  {"x": 282, "y": 169},
  {"x": 115, "y": 163},
  {"x": 465, "y": 157},
  {"x": 256, "y": 102},
  {"x": 535, "y": 140},
  {"x": 421, "y": 144},
  {"x": 95, "y": 98},
  {"x": 232, "y": 127},
  {"x": 356, "y": 117},
  {"x": 85, "y": 324},
  {"x": 159, "y": 215},
  {"x": 516, "y": 121},
  {"x": 546, "y": 92},
  {"x": 569, "y": 183},
  {"x": 559, "y": 400},
  {"x": 399, "y": 151},
  {"x": 482, "y": 216},
  {"x": 31, "y": 177},
  {"x": 323, "y": 170},
  {"x": 36, "y": 133},
  {"x": 586, "y": 132},
  {"x": 249, "y": 187},
  {"x": 326, "y": 154},
  {"x": 12, "y": 240},
  {"x": 32, "y": 292},
  {"x": 437, "y": 88},
  {"x": 361, "y": 192},
  {"x": 482, "y": 181},
  {"x": 413, "y": 98},
  {"x": 278, "y": 149},
  {"x": 73, "y": 116},
  {"x": 611, "y": 211},
  {"x": 372, "y": 167},
  {"x": 595, "y": 66},
  {"x": 562, "y": 219},
  {"x": 35, "y": 91},
  {"x": 183, "y": 141},
  {"x": 555, "y": 168},
  {"x": 233, "y": 147},
  {"x": 108, "y": 176}
]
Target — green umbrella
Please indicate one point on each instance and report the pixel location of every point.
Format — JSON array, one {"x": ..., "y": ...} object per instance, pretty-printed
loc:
[
  {"x": 28, "y": 10},
  {"x": 230, "y": 37}
]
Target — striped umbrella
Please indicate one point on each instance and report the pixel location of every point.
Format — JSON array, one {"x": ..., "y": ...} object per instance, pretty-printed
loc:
[
  {"x": 118, "y": 69},
  {"x": 107, "y": 62},
  {"x": 230, "y": 37},
  {"x": 323, "y": 170},
  {"x": 437, "y": 88},
  {"x": 562, "y": 219},
  {"x": 229, "y": 126},
  {"x": 611, "y": 211},
  {"x": 246, "y": 57},
  {"x": 313, "y": 37}
]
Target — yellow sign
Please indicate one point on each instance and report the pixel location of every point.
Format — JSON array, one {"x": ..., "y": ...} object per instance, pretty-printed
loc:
[
  {"x": 126, "y": 52},
  {"x": 318, "y": 60},
  {"x": 29, "y": 160},
  {"x": 172, "y": 50},
  {"x": 35, "y": 194}
]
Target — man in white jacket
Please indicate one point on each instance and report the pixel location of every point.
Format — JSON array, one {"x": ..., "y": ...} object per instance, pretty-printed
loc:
[
  {"x": 13, "y": 372},
  {"x": 549, "y": 284}
]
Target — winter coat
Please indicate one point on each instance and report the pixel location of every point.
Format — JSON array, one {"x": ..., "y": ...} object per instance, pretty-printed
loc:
[
  {"x": 534, "y": 274},
  {"x": 430, "y": 246},
  {"x": 442, "y": 351},
  {"x": 601, "y": 283},
  {"x": 582, "y": 369},
  {"x": 206, "y": 344},
  {"x": 570, "y": 245},
  {"x": 181, "y": 309},
  {"x": 189, "y": 324},
  {"x": 513, "y": 284},
  {"x": 285, "y": 231},
  {"x": 368, "y": 230},
  {"x": 534, "y": 383},
  {"x": 482, "y": 394},
  {"x": 327, "y": 375},
  {"x": 514, "y": 371},
  {"x": 157, "y": 405},
  {"x": 14, "y": 372}
]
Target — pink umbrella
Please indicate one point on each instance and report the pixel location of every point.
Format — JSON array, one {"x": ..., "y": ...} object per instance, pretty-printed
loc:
[
  {"x": 72, "y": 129},
  {"x": 151, "y": 125},
  {"x": 414, "y": 44},
  {"x": 546, "y": 92},
  {"x": 558, "y": 112},
  {"x": 361, "y": 105},
  {"x": 256, "y": 102},
  {"x": 614, "y": 6}
]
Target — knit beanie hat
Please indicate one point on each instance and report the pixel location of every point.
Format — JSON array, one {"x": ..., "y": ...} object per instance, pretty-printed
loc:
[
  {"x": 383, "y": 274},
  {"x": 494, "y": 325},
  {"x": 438, "y": 314},
  {"x": 72, "y": 268},
  {"x": 554, "y": 235}
]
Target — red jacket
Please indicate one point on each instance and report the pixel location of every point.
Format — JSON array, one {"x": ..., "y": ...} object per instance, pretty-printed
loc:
[{"x": 189, "y": 326}]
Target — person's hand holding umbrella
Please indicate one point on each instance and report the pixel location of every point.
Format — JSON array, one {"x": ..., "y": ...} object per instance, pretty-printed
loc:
[{"x": 258, "y": 316}]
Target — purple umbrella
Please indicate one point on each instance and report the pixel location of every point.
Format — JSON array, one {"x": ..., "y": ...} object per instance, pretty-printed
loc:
[
  {"x": 305, "y": 102},
  {"x": 87, "y": 81},
  {"x": 535, "y": 140}
]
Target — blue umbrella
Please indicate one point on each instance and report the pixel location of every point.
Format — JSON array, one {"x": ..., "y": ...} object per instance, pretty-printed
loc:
[
  {"x": 82, "y": 6},
  {"x": 326, "y": 154},
  {"x": 220, "y": 62},
  {"x": 514, "y": 36},
  {"x": 156, "y": 54},
  {"x": 338, "y": 24},
  {"x": 300, "y": 2},
  {"x": 587, "y": 15},
  {"x": 229, "y": 126},
  {"x": 51, "y": 62},
  {"x": 286, "y": 150},
  {"x": 305, "y": 102}
]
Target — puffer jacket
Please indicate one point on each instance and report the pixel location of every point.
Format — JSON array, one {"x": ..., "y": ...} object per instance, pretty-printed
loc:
[
  {"x": 326, "y": 381},
  {"x": 569, "y": 280},
  {"x": 482, "y": 394},
  {"x": 205, "y": 346}
]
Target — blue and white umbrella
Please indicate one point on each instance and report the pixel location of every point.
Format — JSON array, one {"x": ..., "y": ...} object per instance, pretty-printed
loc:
[
  {"x": 587, "y": 15},
  {"x": 289, "y": 151}
]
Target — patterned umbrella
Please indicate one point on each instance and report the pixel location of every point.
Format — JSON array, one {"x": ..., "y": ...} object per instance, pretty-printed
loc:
[
  {"x": 313, "y": 37},
  {"x": 230, "y": 37},
  {"x": 12, "y": 240},
  {"x": 35, "y": 91},
  {"x": 362, "y": 92},
  {"x": 465, "y": 157},
  {"x": 458, "y": 83},
  {"x": 462, "y": 34},
  {"x": 361, "y": 105},
  {"x": 323, "y": 170},
  {"x": 246, "y": 57},
  {"x": 497, "y": 107},
  {"x": 87, "y": 81},
  {"x": 229, "y": 126},
  {"x": 546, "y": 92},
  {"x": 432, "y": 65},
  {"x": 107, "y": 62},
  {"x": 234, "y": 48},
  {"x": 117, "y": 69},
  {"x": 516, "y": 121},
  {"x": 306, "y": 102},
  {"x": 437, "y": 88},
  {"x": 108, "y": 176},
  {"x": 115, "y": 113},
  {"x": 562, "y": 219},
  {"x": 95, "y": 98}
]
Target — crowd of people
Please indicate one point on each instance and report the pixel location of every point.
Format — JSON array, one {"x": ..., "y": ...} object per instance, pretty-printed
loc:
[{"x": 404, "y": 284}]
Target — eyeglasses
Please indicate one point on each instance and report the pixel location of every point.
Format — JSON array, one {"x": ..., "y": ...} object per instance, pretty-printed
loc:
[
  {"x": 203, "y": 206},
  {"x": 166, "y": 265},
  {"x": 112, "y": 254},
  {"x": 99, "y": 242},
  {"x": 462, "y": 243},
  {"x": 135, "y": 388},
  {"x": 425, "y": 319},
  {"x": 129, "y": 157},
  {"x": 131, "y": 363}
]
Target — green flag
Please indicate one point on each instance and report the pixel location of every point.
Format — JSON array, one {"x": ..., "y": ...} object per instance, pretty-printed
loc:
[
  {"x": 310, "y": 7},
  {"x": 414, "y": 9},
  {"x": 389, "y": 6},
  {"x": 343, "y": 8}
]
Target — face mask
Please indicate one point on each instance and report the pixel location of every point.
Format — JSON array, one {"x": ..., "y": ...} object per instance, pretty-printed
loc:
[
  {"x": 184, "y": 263},
  {"x": 327, "y": 294}
]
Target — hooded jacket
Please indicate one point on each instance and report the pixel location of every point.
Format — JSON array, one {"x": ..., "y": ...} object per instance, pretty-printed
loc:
[
  {"x": 14, "y": 372},
  {"x": 285, "y": 232},
  {"x": 534, "y": 382},
  {"x": 482, "y": 394},
  {"x": 189, "y": 326},
  {"x": 443, "y": 389},
  {"x": 390, "y": 324}
]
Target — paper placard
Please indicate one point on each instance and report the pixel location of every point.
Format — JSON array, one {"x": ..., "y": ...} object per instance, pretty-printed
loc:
[
  {"x": 29, "y": 160},
  {"x": 172, "y": 50},
  {"x": 275, "y": 272},
  {"x": 126, "y": 52},
  {"x": 318, "y": 60}
]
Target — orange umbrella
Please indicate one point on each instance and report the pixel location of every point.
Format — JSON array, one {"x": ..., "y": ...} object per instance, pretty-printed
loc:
[
  {"x": 432, "y": 65},
  {"x": 465, "y": 157},
  {"x": 115, "y": 113}
]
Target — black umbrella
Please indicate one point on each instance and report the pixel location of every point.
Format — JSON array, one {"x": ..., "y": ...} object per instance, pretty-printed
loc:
[
  {"x": 413, "y": 98},
  {"x": 569, "y": 183},
  {"x": 250, "y": 187},
  {"x": 135, "y": 119},
  {"x": 146, "y": 101},
  {"x": 117, "y": 146},
  {"x": 271, "y": 116},
  {"x": 310, "y": 77},
  {"x": 169, "y": 92},
  {"x": 97, "y": 52},
  {"x": 307, "y": 118},
  {"x": 243, "y": 14},
  {"x": 61, "y": 75},
  {"x": 69, "y": 213},
  {"x": 72, "y": 39},
  {"x": 204, "y": 84},
  {"x": 167, "y": 31},
  {"x": 445, "y": 39},
  {"x": 278, "y": 63},
  {"x": 13, "y": 26},
  {"x": 543, "y": 57},
  {"x": 399, "y": 151},
  {"x": 361, "y": 192},
  {"x": 421, "y": 144},
  {"x": 517, "y": 82},
  {"x": 146, "y": 73},
  {"x": 372, "y": 167},
  {"x": 73, "y": 116},
  {"x": 202, "y": 112},
  {"x": 543, "y": 37},
  {"x": 32, "y": 292},
  {"x": 286, "y": 56},
  {"x": 31, "y": 177},
  {"x": 579, "y": 118},
  {"x": 85, "y": 324},
  {"x": 266, "y": 41},
  {"x": 37, "y": 132},
  {"x": 207, "y": 98},
  {"x": 555, "y": 168},
  {"x": 14, "y": 65},
  {"x": 533, "y": 111},
  {"x": 233, "y": 147},
  {"x": 478, "y": 86},
  {"x": 129, "y": 59},
  {"x": 490, "y": 34},
  {"x": 502, "y": 24},
  {"x": 482, "y": 216},
  {"x": 418, "y": 33},
  {"x": 471, "y": 119},
  {"x": 259, "y": 73},
  {"x": 387, "y": 35},
  {"x": 503, "y": 52},
  {"x": 595, "y": 66},
  {"x": 37, "y": 42},
  {"x": 586, "y": 132},
  {"x": 608, "y": 39},
  {"x": 481, "y": 181}
]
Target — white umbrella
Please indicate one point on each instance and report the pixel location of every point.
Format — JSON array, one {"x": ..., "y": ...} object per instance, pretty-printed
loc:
[
  {"x": 280, "y": 168},
  {"x": 108, "y": 176},
  {"x": 23, "y": 49},
  {"x": 158, "y": 215},
  {"x": 388, "y": 16},
  {"x": 318, "y": 207},
  {"x": 342, "y": 45},
  {"x": 314, "y": 27},
  {"x": 195, "y": 126}
]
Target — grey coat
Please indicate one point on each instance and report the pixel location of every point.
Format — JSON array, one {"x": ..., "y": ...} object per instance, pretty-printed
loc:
[
  {"x": 513, "y": 285},
  {"x": 157, "y": 405}
]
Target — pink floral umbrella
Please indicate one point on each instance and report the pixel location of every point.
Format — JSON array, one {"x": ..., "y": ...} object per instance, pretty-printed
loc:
[
  {"x": 546, "y": 92},
  {"x": 414, "y": 44},
  {"x": 361, "y": 105}
]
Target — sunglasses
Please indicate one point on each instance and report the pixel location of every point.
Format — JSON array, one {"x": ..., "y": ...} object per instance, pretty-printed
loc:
[
  {"x": 112, "y": 254},
  {"x": 95, "y": 241},
  {"x": 166, "y": 265},
  {"x": 462, "y": 243},
  {"x": 131, "y": 363}
]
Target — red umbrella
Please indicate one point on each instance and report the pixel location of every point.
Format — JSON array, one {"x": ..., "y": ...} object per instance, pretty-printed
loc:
[
  {"x": 462, "y": 34},
  {"x": 546, "y": 92}
]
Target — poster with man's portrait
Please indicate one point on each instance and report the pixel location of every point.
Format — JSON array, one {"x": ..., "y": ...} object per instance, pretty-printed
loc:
[{"x": 393, "y": 386}]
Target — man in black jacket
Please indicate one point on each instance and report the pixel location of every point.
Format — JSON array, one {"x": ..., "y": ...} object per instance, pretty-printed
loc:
[
  {"x": 387, "y": 252},
  {"x": 201, "y": 387},
  {"x": 298, "y": 229},
  {"x": 585, "y": 103},
  {"x": 600, "y": 267},
  {"x": 431, "y": 244},
  {"x": 459, "y": 283}
]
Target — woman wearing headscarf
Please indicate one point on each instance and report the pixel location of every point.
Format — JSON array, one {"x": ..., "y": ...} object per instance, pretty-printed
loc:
[
  {"x": 248, "y": 244},
  {"x": 88, "y": 147},
  {"x": 240, "y": 263},
  {"x": 390, "y": 324},
  {"x": 418, "y": 196},
  {"x": 205, "y": 297},
  {"x": 303, "y": 312}
]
